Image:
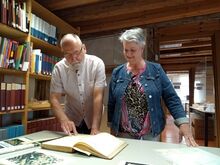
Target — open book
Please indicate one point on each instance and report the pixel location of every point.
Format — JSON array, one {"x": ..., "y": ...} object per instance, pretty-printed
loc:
[{"x": 102, "y": 145}]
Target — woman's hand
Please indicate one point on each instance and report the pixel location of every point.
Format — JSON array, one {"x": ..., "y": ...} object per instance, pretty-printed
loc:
[{"x": 185, "y": 131}]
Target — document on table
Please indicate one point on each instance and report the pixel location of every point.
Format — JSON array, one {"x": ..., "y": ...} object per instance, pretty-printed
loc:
[{"x": 189, "y": 156}]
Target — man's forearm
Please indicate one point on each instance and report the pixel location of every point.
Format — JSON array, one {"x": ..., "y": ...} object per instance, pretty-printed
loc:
[
  {"x": 97, "y": 108},
  {"x": 58, "y": 112},
  {"x": 97, "y": 116},
  {"x": 57, "y": 109}
]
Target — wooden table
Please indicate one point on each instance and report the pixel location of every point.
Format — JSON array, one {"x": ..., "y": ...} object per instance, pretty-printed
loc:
[{"x": 206, "y": 115}]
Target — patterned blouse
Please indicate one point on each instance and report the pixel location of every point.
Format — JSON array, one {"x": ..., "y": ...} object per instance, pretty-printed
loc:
[{"x": 135, "y": 118}]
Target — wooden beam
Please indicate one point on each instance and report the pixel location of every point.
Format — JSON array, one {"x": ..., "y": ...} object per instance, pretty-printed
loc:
[
  {"x": 152, "y": 45},
  {"x": 117, "y": 8},
  {"x": 177, "y": 67},
  {"x": 153, "y": 17},
  {"x": 184, "y": 60},
  {"x": 216, "y": 67},
  {"x": 191, "y": 30},
  {"x": 191, "y": 85},
  {"x": 54, "y": 5},
  {"x": 188, "y": 41},
  {"x": 202, "y": 54},
  {"x": 186, "y": 49},
  {"x": 184, "y": 45}
]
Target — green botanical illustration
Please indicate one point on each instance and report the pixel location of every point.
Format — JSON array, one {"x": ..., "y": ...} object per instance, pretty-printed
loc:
[{"x": 35, "y": 158}]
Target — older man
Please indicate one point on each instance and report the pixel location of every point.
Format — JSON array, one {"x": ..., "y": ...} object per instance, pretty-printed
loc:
[{"x": 81, "y": 77}]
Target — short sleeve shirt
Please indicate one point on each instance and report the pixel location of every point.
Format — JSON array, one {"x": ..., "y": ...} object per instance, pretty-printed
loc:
[{"x": 77, "y": 82}]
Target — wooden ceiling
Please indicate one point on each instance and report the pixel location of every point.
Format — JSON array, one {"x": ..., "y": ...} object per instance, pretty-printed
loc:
[{"x": 184, "y": 27}]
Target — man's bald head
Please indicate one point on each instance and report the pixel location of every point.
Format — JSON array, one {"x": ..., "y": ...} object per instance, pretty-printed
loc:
[{"x": 69, "y": 39}]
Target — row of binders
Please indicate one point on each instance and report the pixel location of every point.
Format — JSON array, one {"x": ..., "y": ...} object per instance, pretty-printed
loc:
[
  {"x": 43, "y": 30},
  {"x": 11, "y": 131},
  {"x": 12, "y": 96}
]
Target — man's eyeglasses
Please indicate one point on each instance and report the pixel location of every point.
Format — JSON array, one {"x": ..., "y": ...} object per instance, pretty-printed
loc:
[{"x": 75, "y": 53}]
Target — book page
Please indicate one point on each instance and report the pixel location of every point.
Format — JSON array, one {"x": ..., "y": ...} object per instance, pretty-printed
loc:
[
  {"x": 103, "y": 144},
  {"x": 64, "y": 144}
]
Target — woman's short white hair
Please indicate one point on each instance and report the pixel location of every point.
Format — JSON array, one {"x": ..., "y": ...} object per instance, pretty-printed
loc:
[{"x": 134, "y": 35}]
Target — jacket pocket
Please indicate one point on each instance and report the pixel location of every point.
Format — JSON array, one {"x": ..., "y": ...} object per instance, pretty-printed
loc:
[{"x": 119, "y": 85}]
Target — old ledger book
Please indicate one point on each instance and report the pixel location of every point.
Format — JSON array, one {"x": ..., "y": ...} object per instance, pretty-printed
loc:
[{"x": 102, "y": 145}]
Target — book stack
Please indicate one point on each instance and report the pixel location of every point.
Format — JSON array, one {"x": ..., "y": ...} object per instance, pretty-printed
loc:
[
  {"x": 14, "y": 55},
  {"x": 14, "y": 13}
]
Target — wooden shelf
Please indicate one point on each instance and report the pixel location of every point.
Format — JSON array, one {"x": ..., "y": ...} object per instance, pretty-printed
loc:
[
  {"x": 36, "y": 105},
  {"x": 39, "y": 109},
  {"x": 12, "y": 72},
  {"x": 45, "y": 47},
  {"x": 12, "y": 112},
  {"x": 40, "y": 106},
  {"x": 46, "y": 118},
  {"x": 12, "y": 33},
  {"x": 40, "y": 76}
]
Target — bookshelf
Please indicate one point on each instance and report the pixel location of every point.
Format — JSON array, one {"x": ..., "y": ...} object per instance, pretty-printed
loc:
[
  {"x": 46, "y": 47},
  {"x": 40, "y": 76},
  {"x": 36, "y": 43},
  {"x": 10, "y": 32}
]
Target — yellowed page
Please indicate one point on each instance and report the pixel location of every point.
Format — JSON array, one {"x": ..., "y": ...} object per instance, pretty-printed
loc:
[
  {"x": 64, "y": 144},
  {"x": 103, "y": 144}
]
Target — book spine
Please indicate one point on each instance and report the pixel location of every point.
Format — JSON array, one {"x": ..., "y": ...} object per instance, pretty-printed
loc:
[
  {"x": 23, "y": 87},
  {"x": 3, "y": 91},
  {"x": 13, "y": 96},
  {"x": 3, "y": 134},
  {"x": 8, "y": 96},
  {"x": 18, "y": 96}
]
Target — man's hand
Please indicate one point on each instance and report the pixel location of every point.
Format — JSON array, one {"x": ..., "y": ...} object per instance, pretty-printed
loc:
[
  {"x": 94, "y": 131},
  {"x": 68, "y": 127},
  {"x": 185, "y": 131}
]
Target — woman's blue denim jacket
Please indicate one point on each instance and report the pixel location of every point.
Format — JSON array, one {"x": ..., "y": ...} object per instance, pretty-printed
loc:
[{"x": 156, "y": 86}]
